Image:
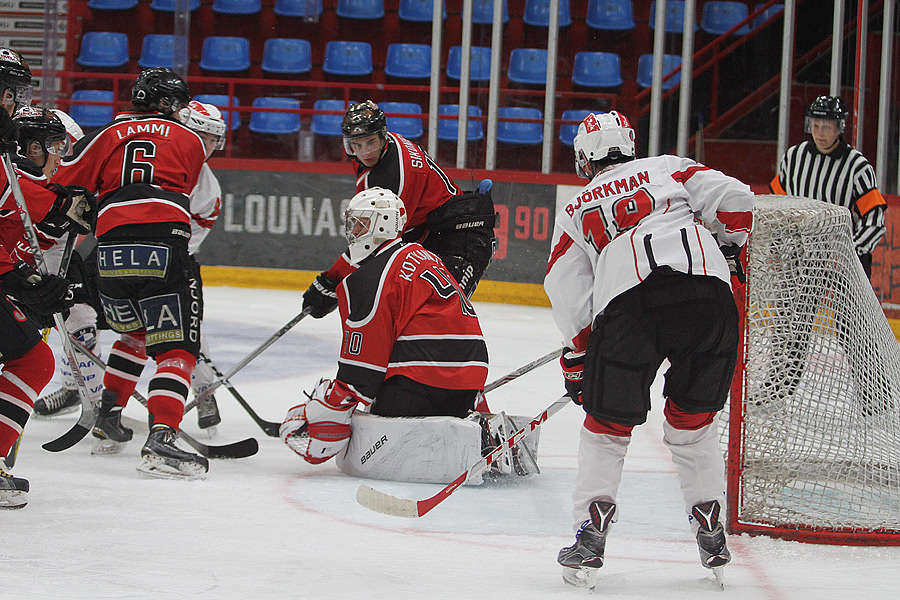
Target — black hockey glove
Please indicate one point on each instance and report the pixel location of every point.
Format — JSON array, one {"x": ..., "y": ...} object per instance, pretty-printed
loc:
[
  {"x": 321, "y": 297},
  {"x": 9, "y": 133},
  {"x": 75, "y": 210},
  {"x": 39, "y": 294},
  {"x": 732, "y": 254},
  {"x": 573, "y": 370}
]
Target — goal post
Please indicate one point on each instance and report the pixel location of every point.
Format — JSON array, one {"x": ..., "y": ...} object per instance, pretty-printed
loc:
[{"x": 812, "y": 429}]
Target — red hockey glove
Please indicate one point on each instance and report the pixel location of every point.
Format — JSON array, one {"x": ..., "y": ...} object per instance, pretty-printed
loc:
[
  {"x": 573, "y": 371},
  {"x": 327, "y": 419}
]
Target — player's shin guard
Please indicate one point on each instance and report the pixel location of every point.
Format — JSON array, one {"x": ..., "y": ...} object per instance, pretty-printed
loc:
[
  {"x": 126, "y": 362},
  {"x": 21, "y": 381},
  {"x": 601, "y": 457},
  {"x": 169, "y": 387}
]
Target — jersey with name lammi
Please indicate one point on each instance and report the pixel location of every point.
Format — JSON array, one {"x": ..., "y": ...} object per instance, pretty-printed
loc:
[
  {"x": 142, "y": 167},
  {"x": 632, "y": 218},
  {"x": 404, "y": 314}
]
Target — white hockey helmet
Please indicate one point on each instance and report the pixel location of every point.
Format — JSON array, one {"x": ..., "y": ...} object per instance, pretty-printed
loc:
[
  {"x": 374, "y": 216},
  {"x": 599, "y": 135},
  {"x": 204, "y": 118}
]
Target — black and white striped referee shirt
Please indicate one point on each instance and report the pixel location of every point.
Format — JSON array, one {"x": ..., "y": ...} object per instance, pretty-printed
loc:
[{"x": 843, "y": 177}]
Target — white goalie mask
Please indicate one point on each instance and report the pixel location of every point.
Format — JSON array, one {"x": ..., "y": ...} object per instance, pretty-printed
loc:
[
  {"x": 374, "y": 216},
  {"x": 598, "y": 136},
  {"x": 204, "y": 118}
]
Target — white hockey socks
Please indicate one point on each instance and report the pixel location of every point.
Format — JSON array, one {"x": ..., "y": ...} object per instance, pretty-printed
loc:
[
  {"x": 699, "y": 462},
  {"x": 600, "y": 460}
]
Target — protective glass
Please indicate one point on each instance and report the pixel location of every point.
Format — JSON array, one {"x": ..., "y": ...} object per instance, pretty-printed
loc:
[
  {"x": 58, "y": 146},
  {"x": 808, "y": 123},
  {"x": 357, "y": 224}
]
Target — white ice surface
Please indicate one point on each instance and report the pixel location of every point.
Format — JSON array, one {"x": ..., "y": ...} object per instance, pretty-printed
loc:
[{"x": 271, "y": 526}]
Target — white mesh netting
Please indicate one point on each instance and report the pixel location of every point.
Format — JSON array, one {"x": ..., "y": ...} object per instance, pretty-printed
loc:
[{"x": 821, "y": 427}]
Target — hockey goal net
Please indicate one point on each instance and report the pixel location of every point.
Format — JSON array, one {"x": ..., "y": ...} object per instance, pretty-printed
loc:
[{"x": 813, "y": 425}]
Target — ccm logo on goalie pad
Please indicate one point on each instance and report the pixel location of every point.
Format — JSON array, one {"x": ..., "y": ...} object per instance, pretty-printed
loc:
[{"x": 373, "y": 449}]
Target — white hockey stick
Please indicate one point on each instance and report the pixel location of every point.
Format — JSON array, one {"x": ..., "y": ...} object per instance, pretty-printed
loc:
[
  {"x": 401, "y": 507},
  {"x": 522, "y": 370}
]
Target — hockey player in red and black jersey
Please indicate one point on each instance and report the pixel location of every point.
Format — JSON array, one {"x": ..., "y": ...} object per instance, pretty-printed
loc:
[
  {"x": 412, "y": 343},
  {"x": 456, "y": 226},
  {"x": 143, "y": 165}
]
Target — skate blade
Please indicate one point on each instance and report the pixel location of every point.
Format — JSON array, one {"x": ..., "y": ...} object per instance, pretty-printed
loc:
[
  {"x": 13, "y": 499},
  {"x": 63, "y": 411},
  {"x": 106, "y": 447},
  {"x": 719, "y": 574},
  {"x": 212, "y": 431},
  {"x": 157, "y": 467},
  {"x": 583, "y": 577}
]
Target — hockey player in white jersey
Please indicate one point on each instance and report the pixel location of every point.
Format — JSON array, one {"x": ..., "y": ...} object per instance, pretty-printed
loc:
[{"x": 639, "y": 272}]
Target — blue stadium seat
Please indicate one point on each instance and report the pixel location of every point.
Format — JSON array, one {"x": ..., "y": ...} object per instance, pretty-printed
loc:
[
  {"x": 112, "y": 4},
  {"x": 220, "y": 101},
  {"x": 610, "y": 15},
  {"x": 537, "y": 13},
  {"x": 306, "y": 9},
  {"x": 513, "y": 132},
  {"x": 287, "y": 56},
  {"x": 418, "y": 11},
  {"x": 103, "y": 49},
  {"x": 409, "y": 127},
  {"x": 483, "y": 12},
  {"x": 597, "y": 70},
  {"x": 348, "y": 58},
  {"x": 92, "y": 116},
  {"x": 169, "y": 5},
  {"x": 157, "y": 50},
  {"x": 479, "y": 67},
  {"x": 645, "y": 70},
  {"x": 720, "y": 16},
  {"x": 223, "y": 53},
  {"x": 766, "y": 14},
  {"x": 275, "y": 122},
  {"x": 448, "y": 129},
  {"x": 408, "y": 61},
  {"x": 528, "y": 65},
  {"x": 237, "y": 7},
  {"x": 566, "y": 131},
  {"x": 328, "y": 124},
  {"x": 368, "y": 10},
  {"x": 674, "y": 16}
]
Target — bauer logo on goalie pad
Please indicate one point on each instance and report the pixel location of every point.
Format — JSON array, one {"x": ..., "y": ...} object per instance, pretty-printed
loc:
[
  {"x": 122, "y": 315},
  {"x": 133, "y": 260},
  {"x": 162, "y": 316},
  {"x": 378, "y": 444}
]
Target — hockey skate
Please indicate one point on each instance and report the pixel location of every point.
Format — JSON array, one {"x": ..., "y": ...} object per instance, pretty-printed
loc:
[
  {"x": 581, "y": 560},
  {"x": 111, "y": 436},
  {"x": 163, "y": 459},
  {"x": 714, "y": 553},
  {"x": 208, "y": 413},
  {"x": 61, "y": 402},
  {"x": 13, "y": 490}
]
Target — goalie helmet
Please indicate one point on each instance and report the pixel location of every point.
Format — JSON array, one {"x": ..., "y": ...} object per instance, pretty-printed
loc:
[
  {"x": 362, "y": 120},
  {"x": 601, "y": 136},
  {"x": 374, "y": 216},
  {"x": 204, "y": 119},
  {"x": 827, "y": 107},
  {"x": 161, "y": 90},
  {"x": 15, "y": 75},
  {"x": 41, "y": 125}
]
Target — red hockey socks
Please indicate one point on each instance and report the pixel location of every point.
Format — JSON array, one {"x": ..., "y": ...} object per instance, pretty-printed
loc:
[
  {"x": 169, "y": 386},
  {"x": 123, "y": 369},
  {"x": 20, "y": 383}
]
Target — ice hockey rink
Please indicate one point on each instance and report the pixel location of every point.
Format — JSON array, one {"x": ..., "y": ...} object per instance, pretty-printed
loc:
[{"x": 271, "y": 526}]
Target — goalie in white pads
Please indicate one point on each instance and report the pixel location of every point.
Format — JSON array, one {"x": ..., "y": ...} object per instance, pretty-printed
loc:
[
  {"x": 412, "y": 347},
  {"x": 634, "y": 279}
]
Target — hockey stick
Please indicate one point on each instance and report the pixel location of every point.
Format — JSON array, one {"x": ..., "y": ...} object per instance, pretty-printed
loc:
[
  {"x": 87, "y": 418},
  {"x": 401, "y": 507},
  {"x": 241, "y": 449},
  {"x": 246, "y": 360},
  {"x": 482, "y": 403},
  {"x": 268, "y": 427}
]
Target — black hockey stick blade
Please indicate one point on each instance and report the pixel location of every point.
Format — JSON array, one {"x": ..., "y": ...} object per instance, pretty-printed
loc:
[
  {"x": 241, "y": 449},
  {"x": 270, "y": 428},
  {"x": 69, "y": 438}
]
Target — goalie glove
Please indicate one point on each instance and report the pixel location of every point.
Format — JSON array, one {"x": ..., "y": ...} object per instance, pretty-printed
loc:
[
  {"x": 36, "y": 293},
  {"x": 75, "y": 210},
  {"x": 326, "y": 417},
  {"x": 321, "y": 297},
  {"x": 572, "y": 363},
  {"x": 732, "y": 254}
]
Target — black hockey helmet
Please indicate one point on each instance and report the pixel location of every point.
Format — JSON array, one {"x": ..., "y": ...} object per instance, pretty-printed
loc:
[
  {"x": 361, "y": 120},
  {"x": 38, "y": 124},
  {"x": 161, "y": 90},
  {"x": 15, "y": 75},
  {"x": 828, "y": 107}
]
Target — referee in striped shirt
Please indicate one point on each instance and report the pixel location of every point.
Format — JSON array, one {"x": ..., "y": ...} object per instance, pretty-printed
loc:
[{"x": 827, "y": 168}]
